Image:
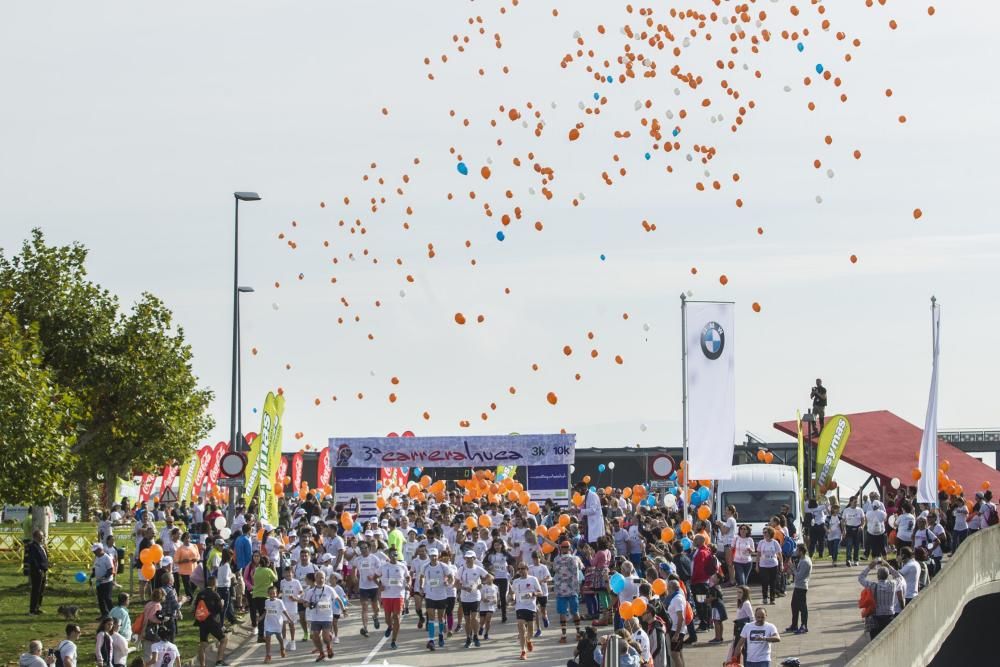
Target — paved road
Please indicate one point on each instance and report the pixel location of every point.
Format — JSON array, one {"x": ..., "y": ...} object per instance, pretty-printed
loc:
[{"x": 836, "y": 635}]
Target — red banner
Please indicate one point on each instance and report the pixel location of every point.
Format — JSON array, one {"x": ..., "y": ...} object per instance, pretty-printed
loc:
[
  {"x": 146, "y": 486},
  {"x": 279, "y": 480},
  {"x": 296, "y": 471},
  {"x": 205, "y": 459},
  {"x": 217, "y": 453},
  {"x": 324, "y": 469},
  {"x": 169, "y": 475},
  {"x": 394, "y": 478}
]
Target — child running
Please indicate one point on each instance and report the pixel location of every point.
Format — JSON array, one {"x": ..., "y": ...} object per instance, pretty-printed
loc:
[{"x": 276, "y": 616}]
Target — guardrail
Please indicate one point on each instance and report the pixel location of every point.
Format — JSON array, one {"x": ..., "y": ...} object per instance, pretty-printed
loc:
[
  {"x": 915, "y": 636},
  {"x": 68, "y": 543}
]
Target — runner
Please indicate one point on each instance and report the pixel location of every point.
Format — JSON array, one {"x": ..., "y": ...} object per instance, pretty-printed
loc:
[
  {"x": 319, "y": 601},
  {"x": 393, "y": 580},
  {"x": 524, "y": 590},
  {"x": 275, "y": 618},
  {"x": 758, "y": 637},
  {"x": 498, "y": 564},
  {"x": 303, "y": 569},
  {"x": 434, "y": 583},
  {"x": 291, "y": 592},
  {"x": 540, "y": 571},
  {"x": 367, "y": 566},
  {"x": 470, "y": 576},
  {"x": 567, "y": 571},
  {"x": 487, "y": 606},
  {"x": 417, "y": 566}
]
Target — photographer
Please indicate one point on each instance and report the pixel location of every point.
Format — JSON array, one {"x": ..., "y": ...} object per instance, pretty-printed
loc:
[
  {"x": 818, "y": 396},
  {"x": 33, "y": 658}
]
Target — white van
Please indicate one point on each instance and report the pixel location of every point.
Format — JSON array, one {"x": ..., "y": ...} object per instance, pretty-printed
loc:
[{"x": 758, "y": 490}]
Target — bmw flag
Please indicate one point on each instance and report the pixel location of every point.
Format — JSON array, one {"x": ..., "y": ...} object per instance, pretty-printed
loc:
[{"x": 711, "y": 385}]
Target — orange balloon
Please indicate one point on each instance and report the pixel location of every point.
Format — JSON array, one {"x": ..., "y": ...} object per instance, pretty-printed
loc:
[
  {"x": 380, "y": 503},
  {"x": 564, "y": 520},
  {"x": 148, "y": 571},
  {"x": 517, "y": 486},
  {"x": 346, "y": 521},
  {"x": 542, "y": 531},
  {"x": 945, "y": 465},
  {"x": 577, "y": 499},
  {"x": 638, "y": 607},
  {"x": 625, "y": 610},
  {"x": 627, "y": 492},
  {"x": 156, "y": 553},
  {"x": 916, "y": 474},
  {"x": 659, "y": 586},
  {"x": 394, "y": 503},
  {"x": 704, "y": 512},
  {"x": 287, "y": 480},
  {"x": 554, "y": 532},
  {"x": 639, "y": 491},
  {"x": 523, "y": 498},
  {"x": 607, "y": 490},
  {"x": 667, "y": 535},
  {"x": 547, "y": 548},
  {"x": 494, "y": 488},
  {"x": 533, "y": 507},
  {"x": 760, "y": 455},
  {"x": 769, "y": 457},
  {"x": 512, "y": 496},
  {"x": 470, "y": 522},
  {"x": 425, "y": 481},
  {"x": 485, "y": 521},
  {"x": 685, "y": 526},
  {"x": 985, "y": 485}
]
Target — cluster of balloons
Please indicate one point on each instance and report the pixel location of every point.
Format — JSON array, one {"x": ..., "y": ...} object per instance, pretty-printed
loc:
[
  {"x": 602, "y": 467},
  {"x": 486, "y": 483},
  {"x": 150, "y": 557},
  {"x": 765, "y": 456}
]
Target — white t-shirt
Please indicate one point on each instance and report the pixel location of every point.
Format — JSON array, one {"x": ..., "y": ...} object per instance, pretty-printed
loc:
[
  {"x": 323, "y": 599},
  {"x": 273, "y": 548},
  {"x": 961, "y": 517},
  {"x": 876, "y": 521},
  {"x": 471, "y": 578},
  {"x": 434, "y": 581},
  {"x": 452, "y": 588},
  {"x": 834, "y": 532},
  {"x": 911, "y": 575},
  {"x": 334, "y": 545},
  {"x": 480, "y": 548},
  {"x": 905, "y": 524},
  {"x": 728, "y": 538},
  {"x": 743, "y": 548},
  {"x": 745, "y": 611},
  {"x": 621, "y": 541},
  {"x": 525, "y": 590},
  {"x": 197, "y": 513},
  {"x": 340, "y": 601},
  {"x": 630, "y": 590},
  {"x": 393, "y": 578},
  {"x": 853, "y": 516},
  {"x": 819, "y": 514},
  {"x": 291, "y": 590},
  {"x": 497, "y": 563},
  {"x": 417, "y": 567},
  {"x": 367, "y": 567},
  {"x": 409, "y": 551},
  {"x": 770, "y": 552},
  {"x": 302, "y": 570},
  {"x": 166, "y": 654},
  {"x": 642, "y": 639},
  {"x": 541, "y": 572},
  {"x": 926, "y": 536},
  {"x": 274, "y": 615},
  {"x": 490, "y": 593},
  {"x": 67, "y": 649},
  {"x": 758, "y": 650},
  {"x": 678, "y": 604}
]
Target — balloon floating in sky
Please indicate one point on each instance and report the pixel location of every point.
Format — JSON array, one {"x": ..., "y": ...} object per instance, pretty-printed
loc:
[
  {"x": 643, "y": 427},
  {"x": 501, "y": 236},
  {"x": 819, "y": 68},
  {"x": 601, "y": 468},
  {"x": 463, "y": 169},
  {"x": 275, "y": 305},
  {"x": 648, "y": 156},
  {"x": 603, "y": 257},
  {"x": 597, "y": 96},
  {"x": 801, "y": 47}
]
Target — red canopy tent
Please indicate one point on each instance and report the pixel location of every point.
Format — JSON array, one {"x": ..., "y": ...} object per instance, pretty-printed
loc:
[{"x": 886, "y": 446}]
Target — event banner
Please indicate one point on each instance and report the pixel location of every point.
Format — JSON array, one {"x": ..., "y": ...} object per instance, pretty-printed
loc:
[
  {"x": 549, "y": 483},
  {"x": 323, "y": 469},
  {"x": 261, "y": 478},
  {"x": 506, "y": 471},
  {"x": 218, "y": 452},
  {"x": 146, "y": 486},
  {"x": 453, "y": 451},
  {"x": 257, "y": 452},
  {"x": 831, "y": 445},
  {"x": 296, "y": 471},
  {"x": 185, "y": 485},
  {"x": 394, "y": 478},
  {"x": 356, "y": 483},
  {"x": 711, "y": 389},
  {"x": 169, "y": 474},
  {"x": 279, "y": 479},
  {"x": 206, "y": 457}
]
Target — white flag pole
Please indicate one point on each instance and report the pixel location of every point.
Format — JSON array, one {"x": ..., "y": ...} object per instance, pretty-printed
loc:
[
  {"x": 684, "y": 412},
  {"x": 927, "y": 485}
]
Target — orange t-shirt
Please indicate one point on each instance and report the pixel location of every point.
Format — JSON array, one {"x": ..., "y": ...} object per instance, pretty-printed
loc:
[
  {"x": 189, "y": 554},
  {"x": 779, "y": 535}
]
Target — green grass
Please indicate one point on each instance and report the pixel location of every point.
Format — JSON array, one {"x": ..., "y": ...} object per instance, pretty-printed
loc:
[{"x": 17, "y": 628}]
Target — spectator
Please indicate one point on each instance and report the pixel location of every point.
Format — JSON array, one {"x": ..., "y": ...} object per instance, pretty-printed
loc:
[
  {"x": 888, "y": 593},
  {"x": 583, "y": 655},
  {"x": 243, "y": 548},
  {"x": 728, "y": 533},
  {"x": 800, "y": 592},
  {"x": 767, "y": 565},
  {"x": 743, "y": 550},
  {"x": 120, "y": 614},
  {"x": 757, "y": 637},
  {"x": 104, "y": 578},
  {"x": 961, "y": 529},
  {"x": 875, "y": 531},
  {"x": 33, "y": 658},
  {"x": 104, "y": 646},
  {"x": 911, "y": 571},
  {"x": 817, "y": 529},
  {"x": 834, "y": 533},
  {"x": 36, "y": 566},
  {"x": 186, "y": 557},
  {"x": 66, "y": 650},
  {"x": 854, "y": 519},
  {"x": 906, "y": 523}
]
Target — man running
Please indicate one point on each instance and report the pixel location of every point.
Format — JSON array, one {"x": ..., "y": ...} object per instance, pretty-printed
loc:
[
  {"x": 524, "y": 590},
  {"x": 367, "y": 566},
  {"x": 471, "y": 575},
  {"x": 566, "y": 569},
  {"x": 319, "y": 602},
  {"x": 392, "y": 579},
  {"x": 434, "y": 582}
]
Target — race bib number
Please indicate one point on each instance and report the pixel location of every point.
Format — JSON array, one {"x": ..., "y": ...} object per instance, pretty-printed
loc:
[
  {"x": 525, "y": 597},
  {"x": 323, "y": 604},
  {"x": 395, "y": 582},
  {"x": 434, "y": 583}
]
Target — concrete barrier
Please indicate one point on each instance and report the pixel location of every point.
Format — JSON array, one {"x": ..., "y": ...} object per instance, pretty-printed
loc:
[{"x": 915, "y": 636}]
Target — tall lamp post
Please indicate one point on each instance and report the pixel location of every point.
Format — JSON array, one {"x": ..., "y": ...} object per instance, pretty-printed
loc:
[
  {"x": 234, "y": 435},
  {"x": 242, "y": 289}
]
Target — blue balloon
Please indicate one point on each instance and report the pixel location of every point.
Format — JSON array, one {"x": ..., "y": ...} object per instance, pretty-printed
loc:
[
  {"x": 801, "y": 47},
  {"x": 594, "y": 489},
  {"x": 81, "y": 577},
  {"x": 254, "y": 410},
  {"x": 673, "y": 475},
  {"x": 462, "y": 169},
  {"x": 597, "y": 96},
  {"x": 819, "y": 68},
  {"x": 648, "y": 156},
  {"x": 616, "y": 583},
  {"x": 603, "y": 257},
  {"x": 356, "y": 528},
  {"x": 686, "y": 543},
  {"x": 601, "y": 468},
  {"x": 610, "y": 79},
  {"x": 676, "y": 131},
  {"x": 501, "y": 236},
  {"x": 416, "y": 472}
]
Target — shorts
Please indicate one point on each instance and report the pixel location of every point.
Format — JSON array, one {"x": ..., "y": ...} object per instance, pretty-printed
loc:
[
  {"x": 273, "y": 634},
  {"x": 470, "y": 607},
  {"x": 677, "y": 646},
  {"x": 319, "y": 626},
  {"x": 524, "y": 615},
  {"x": 302, "y": 607},
  {"x": 483, "y": 613},
  {"x": 210, "y": 627},
  {"x": 568, "y": 606},
  {"x": 542, "y": 601},
  {"x": 392, "y": 605},
  {"x": 436, "y": 604},
  {"x": 367, "y": 593}
]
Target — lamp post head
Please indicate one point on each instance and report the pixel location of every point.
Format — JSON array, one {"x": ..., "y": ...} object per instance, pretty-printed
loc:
[
  {"x": 243, "y": 289},
  {"x": 247, "y": 196}
]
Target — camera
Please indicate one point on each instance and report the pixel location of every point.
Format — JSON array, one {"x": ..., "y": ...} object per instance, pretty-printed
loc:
[{"x": 312, "y": 605}]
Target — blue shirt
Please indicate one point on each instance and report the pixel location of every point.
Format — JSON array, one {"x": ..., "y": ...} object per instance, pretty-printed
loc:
[{"x": 244, "y": 551}]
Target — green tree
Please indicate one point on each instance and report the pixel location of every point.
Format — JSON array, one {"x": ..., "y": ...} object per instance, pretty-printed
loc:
[
  {"x": 139, "y": 401},
  {"x": 37, "y": 422}
]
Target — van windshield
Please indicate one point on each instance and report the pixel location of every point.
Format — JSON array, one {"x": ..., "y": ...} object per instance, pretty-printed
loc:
[{"x": 758, "y": 506}]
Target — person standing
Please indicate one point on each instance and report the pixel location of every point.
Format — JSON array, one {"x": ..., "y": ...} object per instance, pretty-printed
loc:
[
  {"x": 911, "y": 574},
  {"x": 66, "y": 650},
  {"x": 854, "y": 519},
  {"x": 961, "y": 528},
  {"x": 36, "y": 566},
  {"x": 676, "y": 603},
  {"x": 727, "y": 540},
  {"x": 185, "y": 558},
  {"x": 800, "y": 605},
  {"x": 758, "y": 637},
  {"x": 704, "y": 565},
  {"x": 887, "y": 590},
  {"x": 566, "y": 571},
  {"x": 743, "y": 552},
  {"x": 818, "y": 396},
  {"x": 875, "y": 531},
  {"x": 817, "y": 529},
  {"x": 834, "y": 533},
  {"x": 104, "y": 578},
  {"x": 906, "y": 524},
  {"x": 767, "y": 565}
]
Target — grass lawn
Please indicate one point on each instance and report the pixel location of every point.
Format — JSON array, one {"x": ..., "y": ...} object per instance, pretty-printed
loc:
[{"x": 17, "y": 628}]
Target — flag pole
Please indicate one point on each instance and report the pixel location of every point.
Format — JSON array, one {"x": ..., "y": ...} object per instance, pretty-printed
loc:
[{"x": 684, "y": 412}]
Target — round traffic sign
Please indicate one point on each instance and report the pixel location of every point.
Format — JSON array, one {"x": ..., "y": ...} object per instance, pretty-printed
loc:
[
  {"x": 661, "y": 466},
  {"x": 233, "y": 464}
]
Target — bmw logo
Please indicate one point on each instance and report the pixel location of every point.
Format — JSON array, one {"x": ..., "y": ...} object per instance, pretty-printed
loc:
[{"x": 713, "y": 340}]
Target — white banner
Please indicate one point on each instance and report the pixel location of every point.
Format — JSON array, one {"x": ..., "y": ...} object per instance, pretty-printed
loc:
[
  {"x": 711, "y": 383},
  {"x": 927, "y": 486}
]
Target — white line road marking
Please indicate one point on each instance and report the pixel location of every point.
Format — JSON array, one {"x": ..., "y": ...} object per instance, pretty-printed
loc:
[{"x": 375, "y": 650}]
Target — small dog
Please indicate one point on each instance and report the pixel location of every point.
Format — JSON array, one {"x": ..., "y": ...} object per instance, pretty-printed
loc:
[{"x": 69, "y": 611}]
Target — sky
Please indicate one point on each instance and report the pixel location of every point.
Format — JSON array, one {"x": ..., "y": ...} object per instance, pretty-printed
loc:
[{"x": 127, "y": 127}]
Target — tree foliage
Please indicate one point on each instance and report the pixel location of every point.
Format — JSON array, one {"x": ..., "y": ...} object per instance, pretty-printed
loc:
[{"x": 139, "y": 404}]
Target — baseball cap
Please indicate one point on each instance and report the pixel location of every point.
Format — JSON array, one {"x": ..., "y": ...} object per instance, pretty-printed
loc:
[
  {"x": 325, "y": 558},
  {"x": 219, "y": 541},
  {"x": 432, "y": 552},
  {"x": 96, "y": 546},
  {"x": 166, "y": 561},
  {"x": 469, "y": 554}
]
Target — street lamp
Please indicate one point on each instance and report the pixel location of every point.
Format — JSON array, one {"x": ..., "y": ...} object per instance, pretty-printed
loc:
[
  {"x": 234, "y": 435},
  {"x": 242, "y": 289}
]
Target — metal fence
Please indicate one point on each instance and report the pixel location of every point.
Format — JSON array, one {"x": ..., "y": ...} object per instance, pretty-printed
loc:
[{"x": 66, "y": 543}]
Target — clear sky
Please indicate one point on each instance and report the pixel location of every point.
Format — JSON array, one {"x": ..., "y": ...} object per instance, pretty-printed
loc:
[{"x": 127, "y": 126}]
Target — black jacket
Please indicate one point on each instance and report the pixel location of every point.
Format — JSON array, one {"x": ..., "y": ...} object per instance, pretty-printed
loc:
[{"x": 35, "y": 557}]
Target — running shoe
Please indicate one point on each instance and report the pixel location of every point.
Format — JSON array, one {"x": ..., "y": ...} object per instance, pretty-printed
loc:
[
  {"x": 388, "y": 631},
  {"x": 562, "y": 640},
  {"x": 441, "y": 640},
  {"x": 531, "y": 647},
  {"x": 801, "y": 631},
  {"x": 468, "y": 642},
  {"x": 364, "y": 632},
  {"x": 376, "y": 622},
  {"x": 545, "y": 621},
  {"x": 336, "y": 640},
  {"x": 523, "y": 656},
  {"x": 430, "y": 645},
  {"x": 475, "y": 640},
  {"x": 538, "y": 633},
  {"x": 392, "y": 645}
]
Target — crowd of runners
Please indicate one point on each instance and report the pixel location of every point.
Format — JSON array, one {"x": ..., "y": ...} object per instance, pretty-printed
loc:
[{"x": 612, "y": 572}]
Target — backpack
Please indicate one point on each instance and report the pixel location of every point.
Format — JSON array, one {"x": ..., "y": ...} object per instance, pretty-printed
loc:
[
  {"x": 201, "y": 612},
  {"x": 59, "y": 657},
  {"x": 866, "y": 602},
  {"x": 787, "y": 547}
]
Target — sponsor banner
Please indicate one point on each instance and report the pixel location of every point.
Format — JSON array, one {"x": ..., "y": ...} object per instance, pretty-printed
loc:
[
  {"x": 394, "y": 478},
  {"x": 296, "y": 471},
  {"x": 258, "y": 461},
  {"x": 206, "y": 456},
  {"x": 185, "y": 484},
  {"x": 279, "y": 479},
  {"x": 270, "y": 456},
  {"x": 146, "y": 486},
  {"x": 357, "y": 483},
  {"x": 323, "y": 469},
  {"x": 549, "y": 483},
  {"x": 832, "y": 441},
  {"x": 453, "y": 451},
  {"x": 927, "y": 485},
  {"x": 168, "y": 476},
  {"x": 711, "y": 385},
  {"x": 213, "y": 473}
]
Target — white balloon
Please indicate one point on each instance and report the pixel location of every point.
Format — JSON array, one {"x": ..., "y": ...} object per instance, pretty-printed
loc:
[
  {"x": 642, "y": 427},
  {"x": 819, "y": 199},
  {"x": 220, "y": 522},
  {"x": 224, "y": 533},
  {"x": 670, "y": 501},
  {"x": 645, "y": 327},
  {"x": 275, "y": 305},
  {"x": 402, "y": 293},
  {"x": 788, "y": 89},
  {"x": 572, "y": 469},
  {"x": 611, "y": 465},
  {"x": 894, "y": 482}
]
